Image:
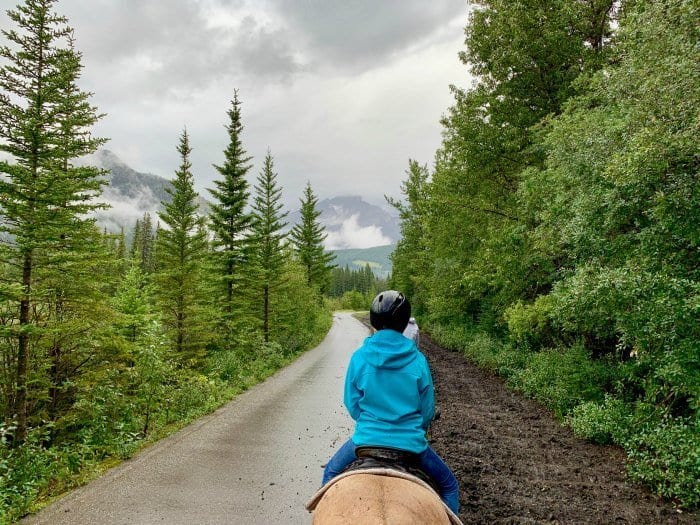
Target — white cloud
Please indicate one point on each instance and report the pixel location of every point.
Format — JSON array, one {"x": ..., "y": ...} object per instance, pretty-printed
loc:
[{"x": 352, "y": 235}]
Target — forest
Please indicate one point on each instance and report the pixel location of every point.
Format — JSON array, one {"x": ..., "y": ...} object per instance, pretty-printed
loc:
[
  {"x": 556, "y": 237},
  {"x": 107, "y": 344}
]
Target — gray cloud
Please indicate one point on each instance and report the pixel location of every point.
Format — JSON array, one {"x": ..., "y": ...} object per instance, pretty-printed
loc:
[
  {"x": 342, "y": 91},
  {"x": 173, "y": 48},
  {"x": 364, "y": 33}
]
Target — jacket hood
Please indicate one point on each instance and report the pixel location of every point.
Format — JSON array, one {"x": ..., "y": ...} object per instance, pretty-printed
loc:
[{"x": 389, "y": 349}]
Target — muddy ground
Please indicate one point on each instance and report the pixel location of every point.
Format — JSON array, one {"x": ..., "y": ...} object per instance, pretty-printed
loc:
[{"x": 517, "y": 465}]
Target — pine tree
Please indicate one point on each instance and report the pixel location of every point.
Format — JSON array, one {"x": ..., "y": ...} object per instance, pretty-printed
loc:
[
  {"x": 45, "y": 122},
  {"x": 229, "y": 219},
  {"x": 268, "y": 240},
  {"x": 308, "y": 237},
  {"x": 143, "y": 244},
  {"x": 182, "y": 251}
]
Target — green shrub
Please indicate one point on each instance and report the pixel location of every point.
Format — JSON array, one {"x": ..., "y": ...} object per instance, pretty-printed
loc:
[
  {"x": 483, "y": 349},
  {"x": 561, "y": 379},
  {"x": 30, "y": 469},
  {"x": 666, "y": 456},
  {"x": 530, "y": 325},
  {"x": 601, "y": 423}
]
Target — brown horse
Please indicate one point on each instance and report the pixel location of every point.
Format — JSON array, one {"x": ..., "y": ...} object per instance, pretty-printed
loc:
[{"x": 376, "y": 499}]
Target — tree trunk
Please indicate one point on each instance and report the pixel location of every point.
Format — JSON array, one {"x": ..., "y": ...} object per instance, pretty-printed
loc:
[
  {"x": 20, "y": 408},
  {"x": 266, "y": 313}
]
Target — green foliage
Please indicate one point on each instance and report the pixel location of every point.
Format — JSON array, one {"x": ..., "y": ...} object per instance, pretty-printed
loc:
[
  {"x": 563, "y": 379},
  {"x": 143, "y": 244},
  {"x": 352, "y": 300},
  {"x": 181, "y": 253},
  {"x": 49, "y": 247},
  {"x": 561, "y": 220},
  {"x": 670, "y": 446},
  {"x": 485, "y": 350},
  {"x": 530, "y": 326},
  {"x": 229, "y": 218},
  {"x": 344, "y": 280},
  {"x": 603, "y": 422},
  {"x": 307, "y": 238},
  {"x": 409, "y": 260},
  {"x": 103, "y": 351},
  {"x": 31, "y": 470},
  {"x": 299, "y": 314},
  {"x": 268, "y": 244}
]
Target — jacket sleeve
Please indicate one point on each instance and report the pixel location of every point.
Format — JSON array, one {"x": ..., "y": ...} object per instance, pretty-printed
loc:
[
  {"x": 427, "y": 396},
  {"x": 352, "y": 394}
]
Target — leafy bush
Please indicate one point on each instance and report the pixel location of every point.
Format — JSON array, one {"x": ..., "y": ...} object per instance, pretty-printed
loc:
[
  {"x": 666, "y": 456},
  {"x": 482, "y": 348},
  {"x": 31, "y": 469},
  {"x": 601, "y": 423},
  {"x": 561, "y": 379},
  {"x": 530, "y": 325}
]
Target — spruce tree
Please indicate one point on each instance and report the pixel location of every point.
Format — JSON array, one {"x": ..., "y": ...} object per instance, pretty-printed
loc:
[
  {"x": 229, "y": 219},
  {"x": 268, "y": 240},
  {"x": 307, "y": 237},
  {"x": 182, "y": 251},
  {"x": 45, "y": 123},
  {"x": 143, "y": 244}
]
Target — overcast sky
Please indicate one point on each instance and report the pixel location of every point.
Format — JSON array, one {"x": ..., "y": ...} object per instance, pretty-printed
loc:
[{"x": 343, "y": 92}]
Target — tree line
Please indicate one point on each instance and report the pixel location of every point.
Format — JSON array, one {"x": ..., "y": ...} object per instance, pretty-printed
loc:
[
  {"x": 555, "y": 238},
  {"x": 352, "y": 289},
  {"x": 104, "y": 345}
]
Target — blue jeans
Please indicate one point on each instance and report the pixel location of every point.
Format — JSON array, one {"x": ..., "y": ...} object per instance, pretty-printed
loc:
[{"x": 430, "y": 463}]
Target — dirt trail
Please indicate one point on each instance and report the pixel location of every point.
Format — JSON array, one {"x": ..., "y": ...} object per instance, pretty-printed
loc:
[{"x": 517, "y": 465}]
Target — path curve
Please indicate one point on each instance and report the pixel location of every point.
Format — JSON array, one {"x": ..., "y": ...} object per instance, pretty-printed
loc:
[{"x": 256, "y": 460}]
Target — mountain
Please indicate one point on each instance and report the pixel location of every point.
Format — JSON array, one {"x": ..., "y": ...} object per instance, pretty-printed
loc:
[
  {"x": 353, "y": 223},
  {"x": 378, "y": 258},
  {"x": 129, "y": 193}
]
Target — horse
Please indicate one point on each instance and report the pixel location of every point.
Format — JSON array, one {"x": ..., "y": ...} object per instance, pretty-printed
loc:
[{"x": 379, "y": 498}]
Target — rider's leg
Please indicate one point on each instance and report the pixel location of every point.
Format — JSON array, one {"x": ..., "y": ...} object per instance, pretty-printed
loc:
[
  {"x": 436, "y": 468},
  {"x": 339, "y": 461}
]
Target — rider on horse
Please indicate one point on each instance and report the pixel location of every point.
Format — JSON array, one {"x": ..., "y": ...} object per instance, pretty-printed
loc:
[{"x": 389, "y": 393}]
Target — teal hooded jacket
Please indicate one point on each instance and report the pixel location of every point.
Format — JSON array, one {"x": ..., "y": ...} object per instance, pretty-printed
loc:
[{"x": 389, "y": 393}]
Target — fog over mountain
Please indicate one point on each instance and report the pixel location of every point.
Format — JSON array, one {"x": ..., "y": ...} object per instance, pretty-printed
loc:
[
  {"x": 353, "y": 223},
  {"x": 349, "y": 221}
]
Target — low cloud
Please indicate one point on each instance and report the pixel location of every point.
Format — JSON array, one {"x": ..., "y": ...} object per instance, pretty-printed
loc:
[
  {"x": 352, "y": 235},
  {"x": 123, "y": 211}
]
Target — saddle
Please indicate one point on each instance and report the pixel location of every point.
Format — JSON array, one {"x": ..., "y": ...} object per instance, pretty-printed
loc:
[{"x": 390, "y": 458}]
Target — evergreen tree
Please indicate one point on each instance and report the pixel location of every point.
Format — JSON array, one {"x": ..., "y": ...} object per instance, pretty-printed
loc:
[
  {"x": 133, "y": 301},
  {"x": 229, "y": 219},
  {"x": 143, "y": 244},
  {"x": 182, "y": 251},
  {"x": 45, "y": 123},
  {"x": 268, "y": 240},
  {"x": 308, "y": 237}
]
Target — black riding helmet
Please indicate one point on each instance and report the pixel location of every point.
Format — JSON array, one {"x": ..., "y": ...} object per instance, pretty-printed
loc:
[{"x": 390, "y": 309}]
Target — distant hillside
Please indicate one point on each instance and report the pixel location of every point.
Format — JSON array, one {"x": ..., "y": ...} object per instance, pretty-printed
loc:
[
  {"x": 129, "y": 193},
  {"x": 378, "y": 257}
]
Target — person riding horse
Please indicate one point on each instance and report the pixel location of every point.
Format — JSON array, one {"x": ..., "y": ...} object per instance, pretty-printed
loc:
[{"x": 389, "y": 393}]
